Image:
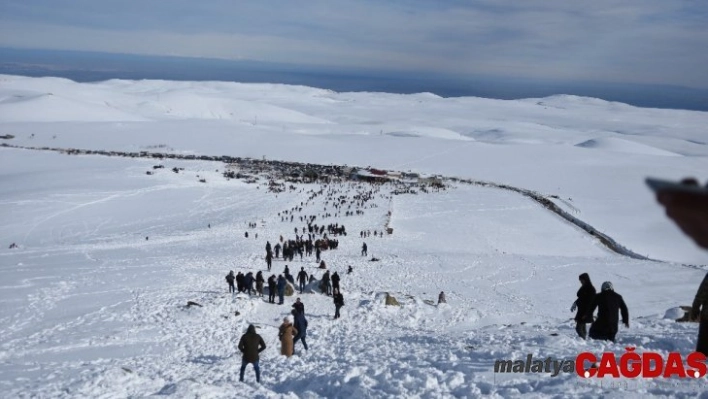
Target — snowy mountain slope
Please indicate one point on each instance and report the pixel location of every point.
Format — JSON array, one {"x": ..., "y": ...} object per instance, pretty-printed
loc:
[
  {"x": 92, "y": 309},
  {"x": 526, "y": 143}
]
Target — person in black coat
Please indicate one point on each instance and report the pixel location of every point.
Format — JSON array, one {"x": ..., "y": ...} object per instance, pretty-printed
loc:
[
  {"x": 230, "y": 278},
  {"x": 302, "y": 279},
  {"x": 239, "y": 281},
  {"x": 299, "y": 306},
  {"x": 338, "y": 303},
  {"x": 269, "y": 260},
  {"x": 248, "y": 283},
  {"x": 335, "y": 281},
  {"x": 608, "y": 304},
  {"x": 271, "y": 288},
  {"x": 586, "y": 293},
  {"x": 300, "y": 325},
  {"x": 251, "y": 344}
]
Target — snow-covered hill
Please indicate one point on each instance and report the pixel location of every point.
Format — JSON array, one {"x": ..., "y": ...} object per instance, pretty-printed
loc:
[{"x": 91, "y": 308}]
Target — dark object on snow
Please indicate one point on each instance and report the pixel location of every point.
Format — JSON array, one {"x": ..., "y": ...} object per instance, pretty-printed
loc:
[
  {"x": 175, "y": 170},
  {"x": 236, "y": 313},
  {"x": 374, "y": 259},
  {"x": 389, "y": 230},
  {"x": 191, "y": 303},
  {"x": 13, "y": 245},
  {"x": 148, "y": 172},
  {"x": 441, "y": 298},
  {"x": 391, "y": 300},
  {"x": 146, "y": 238},
  {"x": 686, "y": 316}
]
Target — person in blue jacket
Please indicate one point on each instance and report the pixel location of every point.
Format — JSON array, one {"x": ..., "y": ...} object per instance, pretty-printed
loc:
[{"x": 281, "y": 288}]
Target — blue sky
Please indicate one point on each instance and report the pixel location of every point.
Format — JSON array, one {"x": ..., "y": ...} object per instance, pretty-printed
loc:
[{"x": 630, "y": 41}]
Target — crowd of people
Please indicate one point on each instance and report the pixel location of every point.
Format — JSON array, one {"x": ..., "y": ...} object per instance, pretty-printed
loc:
[{"x": 688, "y": 210}]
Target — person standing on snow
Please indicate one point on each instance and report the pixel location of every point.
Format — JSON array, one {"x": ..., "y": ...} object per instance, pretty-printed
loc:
[
  {"x": 271, "y": 288},
  {"x": 301, "y": 327},
  {"x": 299, "y": 306},
  {"x": 586, "y": 293},
  {"x": 363, "y": 250},
  {"x": 259, "y": 283},
  {"x": 251, "y": 344},
  {"x": 302, "y": 279},
  {"x": 335, "y": 281},
  {"x": 248, "y": 283},
  {"x": 230, "y": 278},
  {"x": 338, "y": 303},
  {"x": 269, "y": 260},
  {"x": 326, "y": 283},
  {"x": 608, "y": 303},
  {"x": 281, "y": 288},
  {"x": 286, "y": 333}
]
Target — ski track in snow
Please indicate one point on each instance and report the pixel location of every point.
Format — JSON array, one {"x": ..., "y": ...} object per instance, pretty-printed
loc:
[{"x": 100, "y": 311}]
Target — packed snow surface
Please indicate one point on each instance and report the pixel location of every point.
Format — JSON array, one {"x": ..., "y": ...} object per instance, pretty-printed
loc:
[{"x": 91, "y": 308}]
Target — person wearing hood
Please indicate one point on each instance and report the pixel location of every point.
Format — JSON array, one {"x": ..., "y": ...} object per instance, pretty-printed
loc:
[
  {"x": 608, "y": 304},
  {"x": 251, "y": 344},
  {"x": 286, "y": 333},
  {"x": 586, "y": 293}
]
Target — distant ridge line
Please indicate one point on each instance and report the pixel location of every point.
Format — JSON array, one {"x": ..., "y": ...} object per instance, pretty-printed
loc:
[{"x": 338, "y": 170}]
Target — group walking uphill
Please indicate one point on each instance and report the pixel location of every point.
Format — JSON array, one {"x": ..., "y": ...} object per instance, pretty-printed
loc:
[
  {"x": 312, "y": 239},
  {"x": 609, "y": 305}
]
